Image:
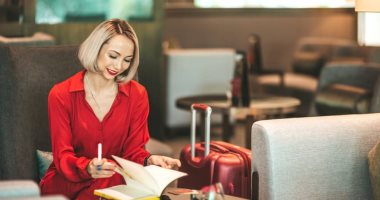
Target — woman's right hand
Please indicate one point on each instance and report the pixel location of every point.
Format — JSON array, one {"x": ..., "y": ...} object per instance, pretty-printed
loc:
[{"x": 101, "y": 168}]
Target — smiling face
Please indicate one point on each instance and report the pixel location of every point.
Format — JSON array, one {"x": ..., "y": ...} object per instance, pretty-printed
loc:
[{"x": 115, "y": 56}]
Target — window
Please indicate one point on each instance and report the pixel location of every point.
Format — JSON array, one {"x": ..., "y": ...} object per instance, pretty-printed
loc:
[
  {"x": 59, "y": 11},
  {"x": 368, "y": 30},
  {"x": 274, "y": 3}
]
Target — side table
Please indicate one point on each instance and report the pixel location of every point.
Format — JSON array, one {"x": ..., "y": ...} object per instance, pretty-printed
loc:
[{"x": 267, "y": 106}]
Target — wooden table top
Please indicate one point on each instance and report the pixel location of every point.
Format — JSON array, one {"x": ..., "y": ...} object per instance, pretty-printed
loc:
[
  {"x": 169, "y": 192},
  {"x": 260, "y": 104}
]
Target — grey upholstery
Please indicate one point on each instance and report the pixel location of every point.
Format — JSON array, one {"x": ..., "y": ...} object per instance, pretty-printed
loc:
[
  {"x": 19, "y": 188},
  {"x": 26, "y": 76},
  {"x": 310, "y": 56},
  {"x": 373, "y": 54},
  {"x": 314, "y": 157},
  {"x": 348, "y": 88},
  {"x": 312, "y": 53},
  {"x": 374, "y": 170},
  {"x": 183, "y": 66},
  {"x": 23, "y": 190}
]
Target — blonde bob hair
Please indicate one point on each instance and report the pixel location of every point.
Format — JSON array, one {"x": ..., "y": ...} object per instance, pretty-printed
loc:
[{"x": 90, "y": 48}]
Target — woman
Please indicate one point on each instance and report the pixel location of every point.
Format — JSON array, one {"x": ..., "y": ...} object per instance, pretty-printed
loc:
[{"x": 101, "y": 104}]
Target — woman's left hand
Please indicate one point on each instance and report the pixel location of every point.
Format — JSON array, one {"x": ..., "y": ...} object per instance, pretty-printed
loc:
[{"x": 164, "y": 161}]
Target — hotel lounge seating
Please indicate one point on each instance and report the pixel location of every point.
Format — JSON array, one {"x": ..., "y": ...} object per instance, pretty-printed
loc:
[
  {"x": 26, "y": 76},
  {"x": 310, "y": 56},
  {"x": 348, "y": 88},
  {"x": 311, "y": 158},
  {"x": 195, "y": 72}
]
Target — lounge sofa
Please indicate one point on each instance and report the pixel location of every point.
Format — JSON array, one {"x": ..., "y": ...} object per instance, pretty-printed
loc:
[
  {"x": 26, "y": 76},
  {"x": 314, "y": 157}
]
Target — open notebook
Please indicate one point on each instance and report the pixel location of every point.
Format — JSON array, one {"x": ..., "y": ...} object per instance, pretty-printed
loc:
[{"x": 142, "y": 182}]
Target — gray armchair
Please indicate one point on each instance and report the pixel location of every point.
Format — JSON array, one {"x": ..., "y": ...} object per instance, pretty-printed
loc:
[
  {"x": 314, "y": 157},
  {"x": 19, "y": 189},
  {"x": 26, "y": 76},
  {"x": 310, "y": 56},
  {"x": 312, "y": 53},
  {"x": 348, "y": 88}
]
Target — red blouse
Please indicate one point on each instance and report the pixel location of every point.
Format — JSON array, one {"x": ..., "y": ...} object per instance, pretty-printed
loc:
[{"x": 76, "y": 131}]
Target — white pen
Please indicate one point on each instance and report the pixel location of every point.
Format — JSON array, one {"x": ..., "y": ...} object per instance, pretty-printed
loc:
[
  {"x": 99, "y": 151},
  {"x": 99, "y": 167}
]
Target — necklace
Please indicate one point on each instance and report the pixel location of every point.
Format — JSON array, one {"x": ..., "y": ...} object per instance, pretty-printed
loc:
[{"x": 92, "y": 94}]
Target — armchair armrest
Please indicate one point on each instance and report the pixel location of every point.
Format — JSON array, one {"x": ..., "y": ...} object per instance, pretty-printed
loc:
[
  {"x": 314, "y": 157},
  {"x": 18, "y": 189}
]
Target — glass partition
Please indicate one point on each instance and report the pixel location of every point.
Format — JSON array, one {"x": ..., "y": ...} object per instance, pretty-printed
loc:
[
  {"x": 61, "y": 11},
  {"x": 274, "y": 3}
]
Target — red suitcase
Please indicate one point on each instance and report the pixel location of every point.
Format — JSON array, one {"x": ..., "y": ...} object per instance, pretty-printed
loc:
[{"x": 211, "y": 162}]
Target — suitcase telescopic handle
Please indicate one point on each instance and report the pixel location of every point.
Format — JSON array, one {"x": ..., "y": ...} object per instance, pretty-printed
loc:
[{"x": 207, "y": 109}]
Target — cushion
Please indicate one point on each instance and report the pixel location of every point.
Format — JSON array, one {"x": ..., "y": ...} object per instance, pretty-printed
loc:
[
  {"x": 44, "y": 159},
  {"x": 309, "y": 63},
  {"x": 374, "y": 170}
]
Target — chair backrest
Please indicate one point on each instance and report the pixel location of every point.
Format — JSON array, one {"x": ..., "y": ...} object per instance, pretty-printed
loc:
[
  {"x": 314, "y": 157},
  {"x": 195, "y": 72},
  {"x": 312, "y": 53},
  {"x": 373, "y": 55},
  {"x": 348, "y": 88},
  {"x": 254, "y": 57},
  {"x": 362, "y": 75},
  {"x": 26, "y": 76}
]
